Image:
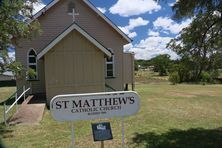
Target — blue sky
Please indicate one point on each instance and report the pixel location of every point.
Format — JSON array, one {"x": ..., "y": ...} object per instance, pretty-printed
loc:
[{"x": 148, "y": 23}]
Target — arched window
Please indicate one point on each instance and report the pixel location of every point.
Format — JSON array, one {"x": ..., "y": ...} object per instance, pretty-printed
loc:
[{"x": 32, "y": 63}]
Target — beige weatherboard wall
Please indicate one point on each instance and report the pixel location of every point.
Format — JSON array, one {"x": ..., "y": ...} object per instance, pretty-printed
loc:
[
  {"x": 129, "y": 69},
  {"x": 75, "y": 63}
]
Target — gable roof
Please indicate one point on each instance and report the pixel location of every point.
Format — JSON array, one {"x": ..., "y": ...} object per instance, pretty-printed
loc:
[
  {"x": 66, "y": 32},
  {"x": 53, "y": 2}
]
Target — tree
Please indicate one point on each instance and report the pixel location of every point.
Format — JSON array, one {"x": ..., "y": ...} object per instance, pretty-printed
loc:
[
  {"x": 16, "y": 22},
  {"x": 190, "y": 8},
  {"x": 161, "y": 64},
  {"x": 201, "y": 42},
  {"x": 142, "y": 64},
  {"x": 174, "y": 78}
]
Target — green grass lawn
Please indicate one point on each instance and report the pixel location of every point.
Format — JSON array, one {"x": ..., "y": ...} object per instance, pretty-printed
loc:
[
  {"x": 5, "y": 93},
  {"x": 170, "y": 116}
]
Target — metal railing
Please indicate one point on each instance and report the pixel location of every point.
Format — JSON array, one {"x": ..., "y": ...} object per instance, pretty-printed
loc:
[{"x": 17, "y": 98}]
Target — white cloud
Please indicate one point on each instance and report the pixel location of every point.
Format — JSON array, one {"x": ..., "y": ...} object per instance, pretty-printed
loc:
[
  {"x": 171, "y": 4},
  {"x": 151, "y": 47},
  {"x": 153, "y": 33},
  {"x": 128, "y": 8},
  {"x": 132, "y": 35},
  {"x": 38, "y": 6},
  {"x": 12, "y": 55},
  {"x": 127, "y": 47},
  {"x": 103, "y": 10},
  {"x": 167, "y": 24},
  {"x": 133, "y": 23}
]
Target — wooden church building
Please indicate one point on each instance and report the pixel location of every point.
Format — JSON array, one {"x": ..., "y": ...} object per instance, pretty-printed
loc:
[{"x": 79, "y": 51}]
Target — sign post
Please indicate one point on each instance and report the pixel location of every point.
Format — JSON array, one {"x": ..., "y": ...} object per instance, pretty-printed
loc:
[
  {"x": 102, "y": 132},
  {"x": 102, "y": 144},
  {"x": 73, "y": 136},
  {"x": 95, "y": 106},
  {"x": 123, "y": 133}
]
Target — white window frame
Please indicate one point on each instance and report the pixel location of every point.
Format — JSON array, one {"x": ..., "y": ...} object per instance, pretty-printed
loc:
[
  {"x": 113, "y": 70},
  {"x": 32, "y": 64}
]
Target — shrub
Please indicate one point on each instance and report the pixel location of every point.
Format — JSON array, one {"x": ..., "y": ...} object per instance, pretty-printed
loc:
[
  {"x": 215, "y": 74},
  {"x": 174, "y": 78},
  {"x": 206, "y": 78}
]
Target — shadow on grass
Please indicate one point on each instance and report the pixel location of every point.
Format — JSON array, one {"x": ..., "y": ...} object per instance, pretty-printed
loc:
[
  {"x": 9, "y": 83},
  {"x": 192, "y": 138},
  {"x": 9, "y": 101},
  {"x": 4, "y": 133}
]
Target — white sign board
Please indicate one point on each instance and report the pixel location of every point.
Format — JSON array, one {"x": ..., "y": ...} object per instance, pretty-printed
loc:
[{"x": 94, "y": 105}]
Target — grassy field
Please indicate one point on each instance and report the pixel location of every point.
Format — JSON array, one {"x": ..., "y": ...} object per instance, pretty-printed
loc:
[
  {"x": 5, "y": 92},
  {"x": 149, "y": 77},
  {"x": 170, "y": 116}
]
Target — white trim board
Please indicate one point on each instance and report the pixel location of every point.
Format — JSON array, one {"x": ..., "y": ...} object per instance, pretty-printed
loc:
[
  {"x": 65, "y": 33},
  {"x": 43, "y": 10},
  {"x": 94, "y": 9}
]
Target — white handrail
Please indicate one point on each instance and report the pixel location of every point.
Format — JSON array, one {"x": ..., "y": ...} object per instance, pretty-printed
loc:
[
  {"x": 6, "y": 110},
  {"x": 17, "y": 100}
]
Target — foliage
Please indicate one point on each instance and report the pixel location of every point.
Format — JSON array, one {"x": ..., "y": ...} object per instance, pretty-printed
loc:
[
  {"x": 190, "y": 8},
  {"x": 205, "y": 77},
  {"x": 215, "y": 74},
  {"x": 16, "y": 16},
  {"x": 184, "y": 69},
  {"x": 174, "y": 78},
  {"x": 31, "y": 74},
  {"x": 208, "y": 77},
  {"x": 142, "y": 64},
  {"x": 8, "y": 64},
  {"x": 201, "y": 42},
  {"x": 161, "y": 64}
]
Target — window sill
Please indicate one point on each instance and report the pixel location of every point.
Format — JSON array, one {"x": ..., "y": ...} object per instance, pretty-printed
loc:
[{"x": 110, "y": 77}]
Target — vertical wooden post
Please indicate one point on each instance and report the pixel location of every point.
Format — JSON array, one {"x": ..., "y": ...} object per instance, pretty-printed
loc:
[
  {"x": 133, "y": 70},
  {"x": 16, "y": 96},
  {"x": 5, "y": 114},
  {"x": 123, "y": 133},
  {"x": 73, "y": 136},
  {"x": 126, "y": 87},
  {"x": 133, "y": 87},
  {"x": 24, "y": 91},
  {"x": 30, "y": 85},
  {"x": 102, "y": 144}
]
